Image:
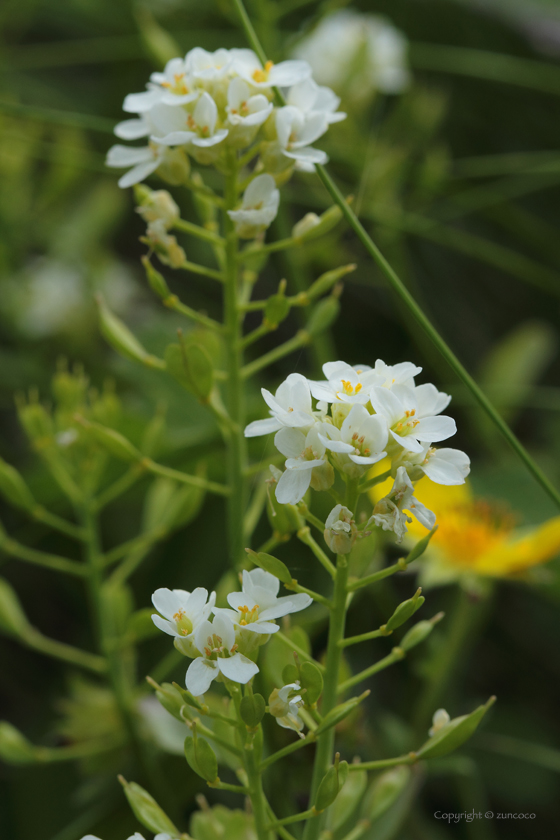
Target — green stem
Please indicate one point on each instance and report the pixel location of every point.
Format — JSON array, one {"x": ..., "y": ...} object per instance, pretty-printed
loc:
[
  {"x": 57, "y": 522},
  {"x": 297, "y": 649},
  {"x": 305, "y": 536},
  {"x": 364, "y": 637},
  {"x": 173, "y": 302},
  {"x": 41, "y": 558},
  {"x": 395, "y": 656},
  {"x": 382, "y": 763},
  {"x": 373, "y": 578},
  {"x": 120, "y": 486},
  {"x": 200, "y": 232},
  {"x": 201, "y": 269},
  {"x": 59, "y": 650},
  {"x": 299, "y": 340},
  {"x": 185, "y": 478},
  {"x": 237, "y": 455},
  {"x": 296, "y": 745}
]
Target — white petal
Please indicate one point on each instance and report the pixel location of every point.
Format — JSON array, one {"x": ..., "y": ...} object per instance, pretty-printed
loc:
[
  {"x": 372, "y": 459},
  {"x": 265, "y": 628},
  {"x": 121, "y": 156},
  {"x": 205, "y": 142},
  {"x": 407, "y": 442},
  {"x": 293, "y": 486},
  {"x": 200, "y": 674},
  {"x": 288, "y": 73},
  {"x": 262, "y": 427},
  {"x": 447, "y": 466},
  {"x": 386, "y": 403},
  {"x": 432, "y": 429},
  {"x": 290, "y": 442},
  {"x": 308, "y": 155},
  {"x": 259, "y": 191},
  {"x": 423, "y": 515},
  {"x": 259, "y": 583},
  {"x": 223, "y": 626},
  {"x": 197, "y": 600},
  {"x": 138, "y": 103},
  {"x": 205, "y": 113},
  {"x": 336, "y": 445},
  {"x": 138, "y": 173},
  {"x": 132, "y": 129},
  {"x": 166, "y": 602},
  {"x": 430, "y": 400},
  {"x": 167, "y": 626},
  {"x": 241, "y": 599},
  {"x": 238, "y": 668},
  {"x": 286, "y": 605}
]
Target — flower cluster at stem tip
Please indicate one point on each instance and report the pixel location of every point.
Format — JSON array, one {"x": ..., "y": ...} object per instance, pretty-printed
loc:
[
  {"x": 225, "y": 648},
  {"x": 361, "y": 416},
  {"x": 209, "y": 106}
]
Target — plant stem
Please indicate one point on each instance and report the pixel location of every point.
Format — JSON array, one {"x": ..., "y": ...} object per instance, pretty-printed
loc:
[
  {"x": 41, "y": 558},
  {"x": 299, "y": 340},
  {"x": 395, "y": 656},
  {"x": 382, "y": 763},
  {"x": 296, "y": 745},
  {"x": 59, "y": 650},
  {"x": 237, "y": 457}
]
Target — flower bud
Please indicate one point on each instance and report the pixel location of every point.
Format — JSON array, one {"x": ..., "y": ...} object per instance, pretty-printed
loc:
[
  {"x": 157, "y": 205},
  {"x": 14, "y": 488},
  {"x": 340, "y": 530},
  {"x": 270, "y": 564},
  {"x": 12, "y": 617},
  {"x": 120, "y": 337},
  {"x": 440, "y": 719},
  {"x": 419, "y": 632},
  {"x": 146, "y": 810},
  {"x": 175, "y": 167},
  {"x": 14, "y": 747},
  {"x": 36, "y": 421},
  {"x": 170, "y": 698},
  {"x": 201, "y": 757},
  {"x": 322, "y": 477},
  {"x": 452, "y": 735},
  {"x": 156, "y": 280},
  {"x": 324, "y": 314},
  {"x": 312, "y": 225},
  {"x": 252, "y": 709},
  {"x": 385, "y": 790},
  {"x": 191, "y": 365},
  {"x": 405, "y": 611},
  {"x": 311, "y": 680},
  {"x": 166, "y": 246}
]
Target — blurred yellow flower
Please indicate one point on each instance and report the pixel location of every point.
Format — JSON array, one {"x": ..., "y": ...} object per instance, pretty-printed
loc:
[{"x": 475, "y": 536}]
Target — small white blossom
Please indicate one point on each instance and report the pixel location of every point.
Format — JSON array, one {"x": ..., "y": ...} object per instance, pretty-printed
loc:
[
  {"x": 310, "y": 98},
  {"x": 439, "y": 720},
  {"x": 291, "y": 406},
  {"x": 344, "y": 383},
  {"x": 296, "y": 131},
  {"x": 257, "y": 605},
  {"x": 208, "y": 66},
  {"x": 304, "y": 453},
  {"x": 143, "y": 159},
  {"x": 362, "y": 53},
  {"x": 258, "y": 208},
  {"x": 362, "y": 438},
  {"x": 218, "y": 655},
  {"x": 182, "y": 613},
  {"x": 284, "y": 74},
  {"x": 411, "y": 414},
  {"x": 158, "y": 205},
  {"x": 284, "y": 704},
  {"x": 244, "y": 107},
  {"x": 401, "y": 374},
  {"x": 442, "y": 466},
  {"x": 175, "y": 126},
  {"x": 389, "y": 513}
]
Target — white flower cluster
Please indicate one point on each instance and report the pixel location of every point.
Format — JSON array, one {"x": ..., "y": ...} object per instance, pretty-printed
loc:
[
  {"x": 226, "y": 646},
  {"x": 209, "y": 104},
  {"x": 362, "y": 415},
  {"x": 359, "y": 53}
]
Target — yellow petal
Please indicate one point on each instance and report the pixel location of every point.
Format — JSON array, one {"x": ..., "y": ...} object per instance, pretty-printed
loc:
[{"x": 538, "y": 546}]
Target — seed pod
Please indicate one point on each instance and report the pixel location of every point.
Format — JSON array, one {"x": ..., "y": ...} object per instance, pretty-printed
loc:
[
  {"x": 405, "y": 611},
  {"x": 121, "y": 338},
  {"x": 112, "y": 441},
  {"x": 324, "y": 314},
  {"x": 14, "y": 488},
  {"x": 348, "y": 799},
  {"x": 420, "y": 547},
  {"x": 311, "y": 680},
  {"x": 336, "y": 715},
  {"x": 331, "y": 783},
  {"x": 419, "y": 632},
  {"x": 312, "y": 226},
  {"x": 201, "y": 757},
  {"x": 156, "y": 280},
  {"x": 146, "y": 810},
  {"x": 276, "y": 310},
  {"x": 385, "y": 790},
  {"x": 36, "y": 420},
  {"x": 252, "y": 709},
  {"x": 13, "y": 620},
  {"x": 14, "y": 747},
  {"x": 290, "y": 674},
  {"x": 171, "y": 700},
  {"x": 191, "y": 365},
  {"x": 326, "y": 281},
  {"x": 454, "y": 733},
  {"x": 270, "y": 564}
]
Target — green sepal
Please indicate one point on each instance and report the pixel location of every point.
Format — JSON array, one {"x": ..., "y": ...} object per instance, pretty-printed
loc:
[
  {"x": 325, "y": 223},
  {"x": 331, "y": 784},
  {"x": 146, "y": 810},
  {"x": 453, "y": 734},
  {"x": 201, "y": 757},
  {"x": 171, "y": 700},
  {"x": 419, "y": 632},
  {"x": 252, "y": 709},
  {"x": 405, "y": 611},
  {"x": 188, "y": 698},
  {"x": 156, "y": 280},
  {"x": 420, "y": 547},
  {"x": 270, "y": 564},
  {"x": 385, "y": 790},
  {"x": 13, "y": 487},
  {"x": 276, "y": 310},
  {"x": 311, "y": 680},
  {"x": 290, "y": 674}
]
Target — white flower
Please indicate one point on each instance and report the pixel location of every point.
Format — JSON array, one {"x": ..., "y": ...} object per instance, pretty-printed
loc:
[
  {"x": 440, "y": 719},
  {"x": 216, "y": 643},
  {"x": 182, "y": 613},
  {"x": 389, "y": 514},
  {"x": 362, "y": 437},
  {"x": 443, "y": 466},
  {"x": 340, "y": 530},
  {"x": 207, "y": 66},
  {"x": 285, "y": 74},
  {"x": 360, "y": 52},
  {"x": 284, "y": 704},
  {"x": 304, "y": 454},
  {"x": 158, "y": 205},
  {"x": 257, "y": 605},
  {"x": 258, "y": 208},
  {"x": 144, "y": 160},
  {"x": 175, "y": 126},
  {"x": 291, "y": 406},
  {"x": 310, "y": 98},
  {"x": 296, "y": 131},
  {"x": 411, "y": 414},
  {"x": 176, "y": 85},
  {"x": 344, "y": 383},
  {"x": 245, "y": 108},
  {"x": 400, "y": 374}
]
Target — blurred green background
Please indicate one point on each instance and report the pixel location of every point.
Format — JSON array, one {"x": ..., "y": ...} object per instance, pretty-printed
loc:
[{"x": 458, "y": 180}]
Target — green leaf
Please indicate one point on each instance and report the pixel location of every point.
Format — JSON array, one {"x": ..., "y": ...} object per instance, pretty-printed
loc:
[{"x": 146, "y": 810}]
